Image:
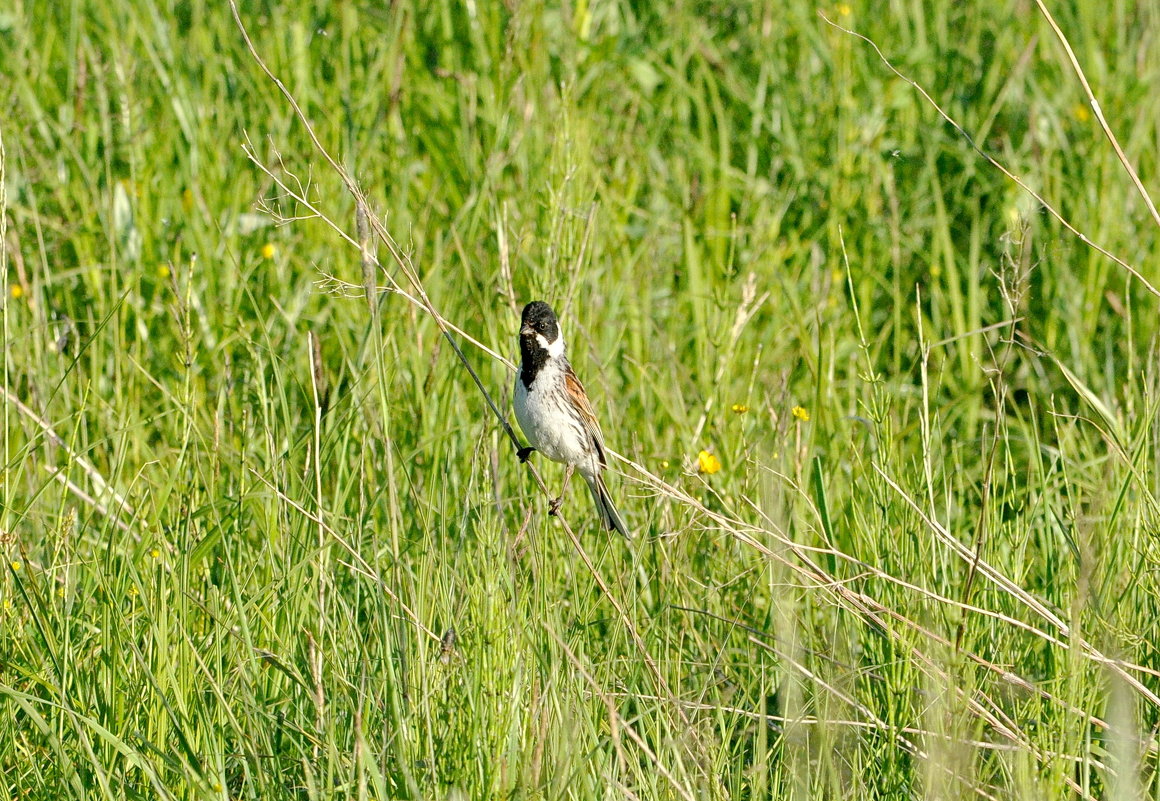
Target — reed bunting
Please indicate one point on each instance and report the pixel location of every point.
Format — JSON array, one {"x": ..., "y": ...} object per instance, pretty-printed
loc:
[{"x": 555, "y": 414}]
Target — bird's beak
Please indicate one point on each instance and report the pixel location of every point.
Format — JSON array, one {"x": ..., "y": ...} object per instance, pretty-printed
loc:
[{"x": 526, "y": 331}]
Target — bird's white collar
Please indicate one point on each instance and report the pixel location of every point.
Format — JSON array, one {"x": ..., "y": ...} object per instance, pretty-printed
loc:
[{"x": 555, "y": 349}]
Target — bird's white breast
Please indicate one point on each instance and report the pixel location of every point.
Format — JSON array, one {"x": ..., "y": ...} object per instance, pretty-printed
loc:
[{"x": 544, "y": 415}]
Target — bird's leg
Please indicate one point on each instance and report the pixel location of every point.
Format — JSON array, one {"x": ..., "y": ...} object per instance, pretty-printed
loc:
[
  {"x": 524, "y": 453},
  {"x": 554, "y": 504}
]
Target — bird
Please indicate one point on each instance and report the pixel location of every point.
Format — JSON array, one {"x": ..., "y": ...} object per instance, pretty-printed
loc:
[{"x": 555, "y": 414}]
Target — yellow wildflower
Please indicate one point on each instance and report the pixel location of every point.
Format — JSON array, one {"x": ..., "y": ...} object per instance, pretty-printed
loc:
[
  {"x": 14, "y": 564},
  {"x": 739, "y": 408},
  {"x": 800, "y": 413},
  {"x": 708, "y": 463},
  {"x": 187, "y": 200},
  {"x": 1080, "y": 112},
  {"x": 844, "y": 10},
  {"x": 268, "y": 250},
  {"x": 163, "y": 271},
  {"x": 17, "y": 291},
  {"x": 155, "y": 553}
]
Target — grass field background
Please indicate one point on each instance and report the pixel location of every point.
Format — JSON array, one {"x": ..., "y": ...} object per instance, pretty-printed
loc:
[{"x": 264, "y": 539}]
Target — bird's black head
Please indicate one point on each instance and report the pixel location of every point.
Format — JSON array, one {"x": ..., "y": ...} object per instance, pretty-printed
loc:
[
  {"x": 538, "y": 318},
  {"x": 540, "y": 339}
]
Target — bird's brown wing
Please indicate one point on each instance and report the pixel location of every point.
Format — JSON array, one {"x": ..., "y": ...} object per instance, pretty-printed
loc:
[{"x": 580, "y": 400}]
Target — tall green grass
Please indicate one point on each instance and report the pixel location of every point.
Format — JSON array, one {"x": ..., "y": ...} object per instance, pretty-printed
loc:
[{"x": 235, "y": 570}]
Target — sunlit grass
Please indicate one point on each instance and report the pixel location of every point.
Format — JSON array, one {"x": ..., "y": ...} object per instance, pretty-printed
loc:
[{"x": 890, "y": 430}]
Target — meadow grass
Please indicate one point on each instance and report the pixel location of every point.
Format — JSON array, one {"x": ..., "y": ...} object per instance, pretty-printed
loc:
[{"x": 262, "y": 536}]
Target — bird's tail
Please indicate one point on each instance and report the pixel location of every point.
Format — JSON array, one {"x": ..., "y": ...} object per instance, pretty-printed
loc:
[{"x": 608, "y": 514}]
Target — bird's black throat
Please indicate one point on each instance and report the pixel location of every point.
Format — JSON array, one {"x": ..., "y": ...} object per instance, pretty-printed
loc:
[{"x": 533, "y": 357}]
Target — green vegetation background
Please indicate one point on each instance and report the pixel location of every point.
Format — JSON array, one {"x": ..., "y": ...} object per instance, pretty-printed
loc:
[{"x": 212, "y": 590}]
